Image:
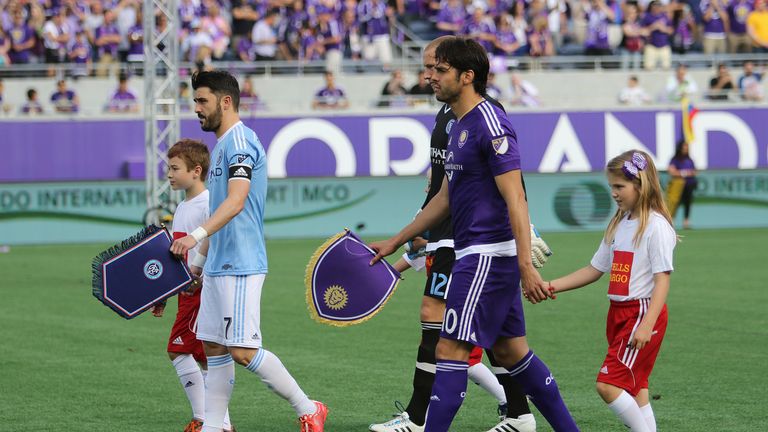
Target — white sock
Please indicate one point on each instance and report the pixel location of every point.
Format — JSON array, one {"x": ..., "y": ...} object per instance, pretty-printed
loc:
[
  {"x": 650, "y": 419},
  {"x": 272, "y": 373},
  {"x": 227, "y": 423},
  {"x": 219, "y": 383},
  {"x": 627, "y": 410},
  {"x": 192, "y": 382},
  {"x": 482, "y": 376}
]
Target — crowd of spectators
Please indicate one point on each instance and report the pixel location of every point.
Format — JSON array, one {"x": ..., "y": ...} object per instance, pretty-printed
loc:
[{"x": 95, "y": 34}]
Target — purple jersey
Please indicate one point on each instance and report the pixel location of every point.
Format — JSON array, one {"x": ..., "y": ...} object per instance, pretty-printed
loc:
[
  {"x": 715, "y": 26},
  {"x": 474, "y": 29},
  {"x": 373, "y": 17},
  {"x": 686, "y": 167},
  {"x": 739, "y": 11},
  {"x": 481, "y": 146},
  {"x": 597, "y": 29},
  {"x": 658, "y": 38},
  {"x": 111, "y": 47},
  {"x": 20, "y": 35},
  {"x": 64, "y": 101},
  {"x": 330, "y": 31},
  {"x": 330, "y": 97},
  {"x": 456, "y": 15},
  {"x": 136, "y": 41},
  {"x": 81, "y": 52},
  {"x": 505, "y": 37},
  {"x": 122, "y": 101}
]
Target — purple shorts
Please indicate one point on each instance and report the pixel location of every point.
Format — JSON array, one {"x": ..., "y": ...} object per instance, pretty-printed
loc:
[{"x": 483, "y": 301}]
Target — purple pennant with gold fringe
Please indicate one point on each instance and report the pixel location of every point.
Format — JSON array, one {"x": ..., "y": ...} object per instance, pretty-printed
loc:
[{"x": 342, "y": 288}]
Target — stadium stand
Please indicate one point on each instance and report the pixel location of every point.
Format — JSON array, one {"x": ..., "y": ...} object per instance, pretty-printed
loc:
[{"x": 597, "y": 44}]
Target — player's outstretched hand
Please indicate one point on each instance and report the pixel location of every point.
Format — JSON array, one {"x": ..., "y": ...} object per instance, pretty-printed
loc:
[
  {"x": 533, "y": 286},
  {"x": 540, "y": 251},
  {"x": 383, "y": 248},
  {"x": 181, "y": 246}
]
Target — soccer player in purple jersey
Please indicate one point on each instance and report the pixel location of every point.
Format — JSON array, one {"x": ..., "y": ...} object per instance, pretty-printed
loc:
[{"x": 483, "y": 192}]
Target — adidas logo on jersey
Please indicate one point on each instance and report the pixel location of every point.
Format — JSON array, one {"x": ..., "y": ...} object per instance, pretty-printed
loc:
[
  {"x": 178, "y": 341},
  {"x": 604, "y": 370},
  {"x": 189, "y": 384},
  {"x": 240, "y": 173},
  {"x": 434, "y": 398}
]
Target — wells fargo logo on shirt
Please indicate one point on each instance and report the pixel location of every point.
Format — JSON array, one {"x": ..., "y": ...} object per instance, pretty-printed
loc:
[{"x": 621, "y": 270}]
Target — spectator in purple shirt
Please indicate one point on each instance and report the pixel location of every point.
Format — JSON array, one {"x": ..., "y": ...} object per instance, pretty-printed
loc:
[
  {"x": 80, "y": 55},
  {"x": 657, "y": 24},
  {"x": 375, "y": 16},
  {"x": 598, "y": 15},
  {"x": 329, "y": 34},
  {"x": 64, "y": 100},
  {"x": 451, "y": 17},
  {"x": 32, "y": 105},
  {"x": 136, "y": 43},
  {"x": 350, "y": 30},
  {"x": 107, "y": 39},
  {"x": 505, "y": 45},
  {"x": 540, "y": 42},
  {"x": 289, "y": 31},
  {"x": 738, "y": 39},
  {"x": 481, "y": 28},
  {"x": 330, "y": 96},
  {"x": 23, "y": 39},
  {"x": 310, "y": 48},
  {"x": 123, "y": 100},
  {"x": 683, "y": 25},
  {"x": 716, "y": 24}
]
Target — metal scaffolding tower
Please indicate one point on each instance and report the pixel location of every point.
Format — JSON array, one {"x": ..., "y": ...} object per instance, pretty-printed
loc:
[{"x": 161, "y": 108}]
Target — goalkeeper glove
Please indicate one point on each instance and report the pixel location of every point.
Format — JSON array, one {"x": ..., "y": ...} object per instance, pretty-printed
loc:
[{"x": 540, "y": 251}]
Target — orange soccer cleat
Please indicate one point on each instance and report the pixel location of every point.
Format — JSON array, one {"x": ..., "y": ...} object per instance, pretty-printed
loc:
[
  {"x": 314, "y": 422},
  {"x": 194, "y": 425}
]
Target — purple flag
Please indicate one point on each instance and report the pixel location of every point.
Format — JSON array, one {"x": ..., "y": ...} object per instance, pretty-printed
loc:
[
  {"x": 132, "y": 276},
  {"x": 342, "y": 288}
]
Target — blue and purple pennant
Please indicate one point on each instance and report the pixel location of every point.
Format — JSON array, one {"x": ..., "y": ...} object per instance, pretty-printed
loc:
[{"x": 132, "y": 276}]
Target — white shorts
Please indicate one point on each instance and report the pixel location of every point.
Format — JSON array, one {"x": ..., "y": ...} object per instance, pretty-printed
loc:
[{"x": 230, "y": 311}]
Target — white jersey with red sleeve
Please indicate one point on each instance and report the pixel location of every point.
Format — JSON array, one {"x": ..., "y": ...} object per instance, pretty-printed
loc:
[
  {"x": 632, "y": 268},
  {"x": 189, "y": 215}
]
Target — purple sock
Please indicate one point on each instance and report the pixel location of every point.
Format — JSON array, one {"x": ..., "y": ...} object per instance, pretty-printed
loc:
[
  {"x": 540, "y": 385},
  {"x": 448, "y": 393}
]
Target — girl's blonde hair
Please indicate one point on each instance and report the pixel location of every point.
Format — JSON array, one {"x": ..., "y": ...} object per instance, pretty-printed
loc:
[{"x": 637, "y": 167}]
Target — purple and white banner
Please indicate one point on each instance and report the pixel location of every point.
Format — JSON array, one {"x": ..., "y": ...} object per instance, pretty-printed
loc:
[{"x": 384, "y": 145}]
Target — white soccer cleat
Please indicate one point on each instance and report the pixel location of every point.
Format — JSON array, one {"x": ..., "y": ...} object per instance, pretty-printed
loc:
[
  {"x": 401, "y": 423},
  {"x": 524, "y": 423}
]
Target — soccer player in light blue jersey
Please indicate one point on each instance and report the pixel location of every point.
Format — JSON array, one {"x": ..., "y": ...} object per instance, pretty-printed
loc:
[{"x": 229, "y": 320}]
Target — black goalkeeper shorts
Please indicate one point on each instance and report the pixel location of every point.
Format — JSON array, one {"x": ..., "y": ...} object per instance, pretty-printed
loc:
[{"x": 439, "y": 265}]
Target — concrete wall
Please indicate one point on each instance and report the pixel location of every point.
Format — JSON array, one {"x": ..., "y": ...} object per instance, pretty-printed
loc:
[{"x": 292, "y": 94}]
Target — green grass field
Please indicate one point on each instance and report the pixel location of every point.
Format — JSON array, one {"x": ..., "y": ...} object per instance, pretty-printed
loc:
[{"x": 67, "y": 363}]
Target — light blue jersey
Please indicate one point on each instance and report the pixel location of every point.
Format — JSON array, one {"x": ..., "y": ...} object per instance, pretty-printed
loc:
[{"x": 238, "y": 248}]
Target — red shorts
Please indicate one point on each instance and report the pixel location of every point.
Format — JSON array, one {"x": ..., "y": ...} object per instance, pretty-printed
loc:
[
  {"x": 476, "y": 356},
  {"x": 183, "y": 339},
  {"x": 626, "y": 367}
]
